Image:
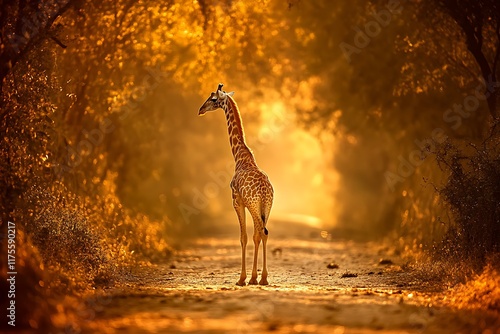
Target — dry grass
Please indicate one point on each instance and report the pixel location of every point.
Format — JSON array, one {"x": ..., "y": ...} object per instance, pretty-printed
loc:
[{"x": 481, "y": 292}]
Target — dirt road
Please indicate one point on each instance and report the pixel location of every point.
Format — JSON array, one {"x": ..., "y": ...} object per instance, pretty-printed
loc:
[{"x": 196, "y": 293}]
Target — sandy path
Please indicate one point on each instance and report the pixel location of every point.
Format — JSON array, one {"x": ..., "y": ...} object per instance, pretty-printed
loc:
[{"x": 196, "y": 293}]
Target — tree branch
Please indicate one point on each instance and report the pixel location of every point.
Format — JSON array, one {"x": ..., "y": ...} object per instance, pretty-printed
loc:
[
  {"x": 470, "y": 19},
  {"x": 58, "y": 42},
  {"x": 41, "y": 34}
]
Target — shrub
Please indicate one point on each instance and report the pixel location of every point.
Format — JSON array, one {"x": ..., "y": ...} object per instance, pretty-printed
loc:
[
  {"x": 33, "y": 300},
  {"x": 473, "y": 194}
]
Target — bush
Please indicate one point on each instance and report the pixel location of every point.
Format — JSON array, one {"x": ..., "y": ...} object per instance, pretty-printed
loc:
[
  {"x": 33, "y": 299},
  {"x": 473, "y": 194},
  {"x": 67, "y": 241}
]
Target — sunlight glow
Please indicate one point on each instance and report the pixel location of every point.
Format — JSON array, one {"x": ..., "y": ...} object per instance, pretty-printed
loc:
[{"x": 298, "y": 166}]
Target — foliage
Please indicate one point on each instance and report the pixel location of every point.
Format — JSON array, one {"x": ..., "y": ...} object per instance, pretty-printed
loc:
[
  {"x": 385, "y": 92},
  {"x": 472, "y": 190},
  {"x": 31, "y": 284},
  {"x": 480, "y": 24},
  {"x": 482, "y": 291}
]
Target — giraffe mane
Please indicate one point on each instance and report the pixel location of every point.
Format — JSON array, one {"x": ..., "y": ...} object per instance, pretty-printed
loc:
[{"x": 237, "y": 116}]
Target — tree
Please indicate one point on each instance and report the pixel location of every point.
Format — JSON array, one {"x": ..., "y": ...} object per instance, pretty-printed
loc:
[
  {"x": 24, "y": 25},
  {"x": 480, "y": 24}
]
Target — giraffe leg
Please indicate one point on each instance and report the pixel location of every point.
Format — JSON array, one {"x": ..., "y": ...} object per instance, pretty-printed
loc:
[
  {"x": 256, "y": 241},
  {"x": 263, "y": 279},
  {"x": 240, "y": 212}
]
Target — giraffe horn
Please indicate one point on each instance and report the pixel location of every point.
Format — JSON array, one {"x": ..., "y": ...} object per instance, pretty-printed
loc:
[{"x": 220, "y": 86}]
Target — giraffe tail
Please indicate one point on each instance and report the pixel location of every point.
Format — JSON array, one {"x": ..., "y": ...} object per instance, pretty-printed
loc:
[{"x": 266, "y": 232}]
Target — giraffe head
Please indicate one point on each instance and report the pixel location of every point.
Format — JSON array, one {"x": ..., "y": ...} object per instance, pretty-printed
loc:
[{"x": 214, "y": 101}]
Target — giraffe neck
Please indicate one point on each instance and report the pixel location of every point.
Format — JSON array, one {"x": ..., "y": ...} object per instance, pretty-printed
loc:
[{"x": 241, "y": 152}]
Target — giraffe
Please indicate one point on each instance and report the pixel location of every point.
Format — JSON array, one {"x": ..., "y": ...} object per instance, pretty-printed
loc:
[{"x": 250, "y": 186}]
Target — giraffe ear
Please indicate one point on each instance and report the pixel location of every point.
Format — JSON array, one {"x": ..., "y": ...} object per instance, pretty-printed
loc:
[{"x": 230, "y": 93}]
